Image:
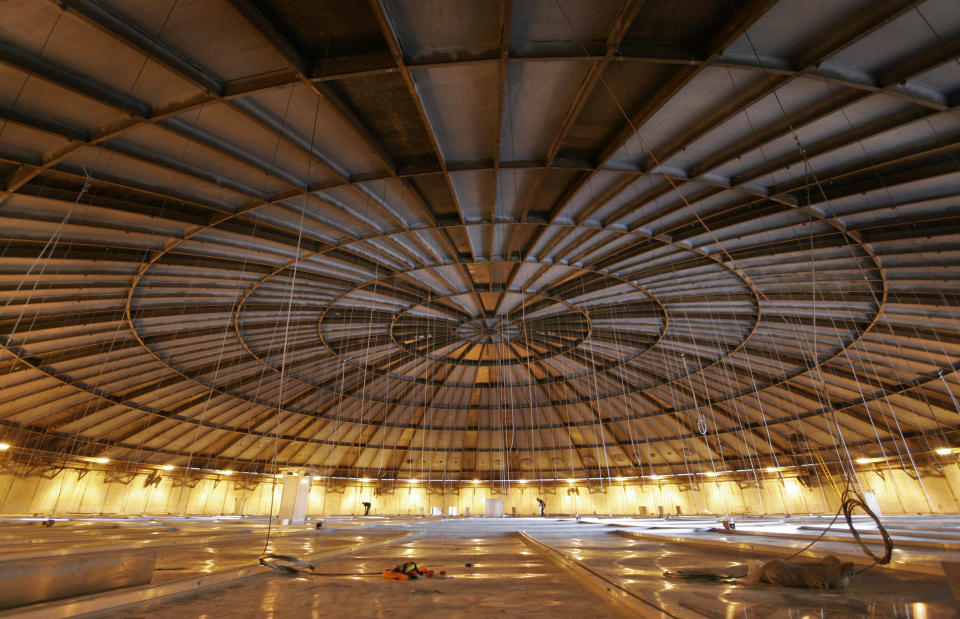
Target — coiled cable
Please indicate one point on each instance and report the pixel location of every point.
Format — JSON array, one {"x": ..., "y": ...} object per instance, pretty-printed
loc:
[{"x": 849, "y": 501}]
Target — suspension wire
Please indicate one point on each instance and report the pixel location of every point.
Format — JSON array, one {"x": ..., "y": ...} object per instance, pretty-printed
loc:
[
  {"x": 45, "y": 253},
  {"x": 530, "y": 379},
  {"x": 753, "y": 435},
  {"x": 499, "y": 393},
  {"x": 894, "y": 208},
  {"x": 786, "y": 383},
  {"x": 363, "y": 385},
  {"x": 146, "y": 422},
  {"x": 278, "y": 417},
  {"x": 814, "y": 356},
  {"x": 870, "y": 360},
  {"x": 277, "y": 319},
  {"x": 442, "y": 444},
  {"x": 596, "y": 406},
  {"x": 434, "y": 389},
  {"x": 50, "y": 246},
  {"x": 509, "y": 389},
  {"x": 720, "y": 245},
  {"x": 801, "y": 425},
  {"x": 823, "y": 194},
  {"x": 814, "y": 349},
  {"x": 615, "y": 379},
  {"x": 736, "y": 404},
  {"x": 26, "y": 80},
  {"x": 497, "y": 388},
  {"x": 362, "y": 362},
  {"x": 847, "y": 352},
  {"x": 444, "y": 435},
  {"x": 701, "y": 423},
  {"x": 283, "y": 372},
  {"x": 337, "y": 434},
  {"x": 262, "y": 409},
  {"x": 672, "y": 184},
  {"x": 622, "y": 373},
  {"x": 672, "y": 391},
  {"x": 255, "y": 400},
  {"x": 724, "y": 372},
  {"x": 183, "y": 154},
  {"x": 75, "y": 441},
  {"x": 703, "y": 224},
  {"x": 775, "y": 350},
  {"x": 43, "y": 256},
  {"x": 423, "y": 410},
  {"x": 872, "y": 366},
  {"x": 55, "y": 238},
  {"x": 630, "y": 416}
]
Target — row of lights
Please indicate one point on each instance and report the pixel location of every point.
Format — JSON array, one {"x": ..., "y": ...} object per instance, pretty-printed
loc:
[
  {"x": 102, "y": 460},
  {"x": 366, "y": 480},
  {"x": 940, "y": 451}
]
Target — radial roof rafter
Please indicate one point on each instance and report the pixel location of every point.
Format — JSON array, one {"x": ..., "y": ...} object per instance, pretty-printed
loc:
[{"x": 781, "y": 275}]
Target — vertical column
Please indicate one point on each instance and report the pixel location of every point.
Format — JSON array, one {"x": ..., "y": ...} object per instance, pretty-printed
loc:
[{"x": 296, "y": 494}]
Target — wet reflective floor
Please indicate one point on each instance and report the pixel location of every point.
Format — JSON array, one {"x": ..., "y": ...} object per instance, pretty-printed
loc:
[
  {"x": 177, "y": 563},
  {"x": 187, "y": 549},
  {"x": 638, "y": 566},
  {"x": 920, "y": 541},
  {"x": 505, "y": 577}
]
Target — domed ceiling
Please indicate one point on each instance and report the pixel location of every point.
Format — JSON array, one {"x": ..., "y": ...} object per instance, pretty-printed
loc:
[{"x": 446, "y": 239}]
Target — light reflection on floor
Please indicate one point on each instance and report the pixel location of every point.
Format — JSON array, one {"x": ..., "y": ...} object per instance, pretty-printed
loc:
[
  {"x": 638, "y": 566},
  {"x": 504, "y": 577}
]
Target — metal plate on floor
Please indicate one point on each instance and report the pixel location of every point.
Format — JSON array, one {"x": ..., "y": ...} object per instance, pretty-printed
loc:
[{"x": 29, "y": 581}]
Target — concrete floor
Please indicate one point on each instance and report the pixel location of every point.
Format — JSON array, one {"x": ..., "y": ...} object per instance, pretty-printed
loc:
[{"x": 506, "y": 578}]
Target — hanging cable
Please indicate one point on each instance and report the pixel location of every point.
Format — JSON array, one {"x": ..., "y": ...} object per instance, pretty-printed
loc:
[{"x": 849, "y": 501}]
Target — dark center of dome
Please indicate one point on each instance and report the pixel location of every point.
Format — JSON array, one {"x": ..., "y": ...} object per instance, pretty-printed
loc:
[
  {"x": 489, "y": 330},
  {"x": 494, "y": 334},
  {"x": 533, "y": 328}
]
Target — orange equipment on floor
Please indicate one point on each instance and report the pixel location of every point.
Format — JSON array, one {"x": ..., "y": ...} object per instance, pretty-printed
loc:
[{"x": 411, "y": 570}]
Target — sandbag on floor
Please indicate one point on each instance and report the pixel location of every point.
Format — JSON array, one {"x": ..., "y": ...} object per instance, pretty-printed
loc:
[{"x": 828, "y": 573}]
